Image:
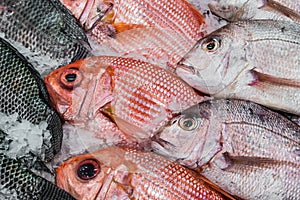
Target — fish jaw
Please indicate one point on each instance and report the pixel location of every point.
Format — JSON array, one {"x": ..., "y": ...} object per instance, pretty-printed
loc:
[
  {"x": 77, "y": 99},
  {"x": 210, "y": 69}
]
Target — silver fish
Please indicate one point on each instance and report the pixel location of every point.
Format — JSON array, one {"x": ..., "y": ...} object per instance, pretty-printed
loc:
[
  {"x": 254, "y": 60},
  {"x": 246, "y": 149},
  {"x": 235, "y": 10}
]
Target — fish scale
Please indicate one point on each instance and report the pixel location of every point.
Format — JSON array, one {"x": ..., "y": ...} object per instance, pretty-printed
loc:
[
  {"x": 55, "y": 38},
  {"x": 245, "y": 64},
  {"x": 18, "y": 182},
  {"x": 246, "y": 149},
  {"x": 139, "y": 102},
  {"x": 161, "y": 31},
  {"x": 23, "y": 92},
  {"x": 135, "y": 94},
  {"x": 135, "y": 174}
]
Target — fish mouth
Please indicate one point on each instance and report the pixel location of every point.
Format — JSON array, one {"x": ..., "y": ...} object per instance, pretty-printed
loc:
[{"x": 182, "y": 65}]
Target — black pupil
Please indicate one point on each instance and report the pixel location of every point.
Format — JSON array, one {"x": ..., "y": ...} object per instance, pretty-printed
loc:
[
  {"x": 211, "y": 45},
  {"x": 71, "y": 77},
  {"x": 86, "y": 171},
  {"x": 188, "y": 123}
]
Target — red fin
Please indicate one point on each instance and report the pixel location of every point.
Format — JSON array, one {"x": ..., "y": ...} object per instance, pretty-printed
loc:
[
  {"x": 122, "y": 27},
  {"x": 129, "y": 129}
]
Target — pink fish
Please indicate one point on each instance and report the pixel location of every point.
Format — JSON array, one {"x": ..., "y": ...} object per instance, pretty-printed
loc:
[
  {"x": 152, "y": 28},
  {"x": 138, "y": 96}
]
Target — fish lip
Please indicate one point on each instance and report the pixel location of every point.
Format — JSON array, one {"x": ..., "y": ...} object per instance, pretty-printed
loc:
[{"x": 186, "y": 67}]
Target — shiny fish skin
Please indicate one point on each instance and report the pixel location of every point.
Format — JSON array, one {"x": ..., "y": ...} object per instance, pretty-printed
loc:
[
  {"x": 23, "y": 92},
  {"x": 235, "y": 10},
  {"x": 245, "y": 64},
  {"x": 134, "y": 93},
  {"x": 141, "y": 20},
  {"x": 43, "y": 31},
  {"x": 17, "y": 182},
  {"x": 131, "y": 174},
  {"x": 247, "y": 150}
]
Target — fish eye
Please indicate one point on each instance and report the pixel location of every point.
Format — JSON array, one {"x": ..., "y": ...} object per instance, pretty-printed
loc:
[
  {"x": 70, "y": 78},
  {"x": 188, "y": 123},
  {"x": 88, "y": 169},
  {"x": 211, "y": 44}
]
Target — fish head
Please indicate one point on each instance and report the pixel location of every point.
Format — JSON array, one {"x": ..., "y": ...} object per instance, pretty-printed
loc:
[
  {"x": 184, "y": 137},
  {"x": 90, "y": 12},
  {"x": 214, "y": 62},
  {"x": 231, "y": 10},
  {"x": 82, "y": 176},
  {"x": 74, "y": 88},
  {"x": 97, "y": 175}
]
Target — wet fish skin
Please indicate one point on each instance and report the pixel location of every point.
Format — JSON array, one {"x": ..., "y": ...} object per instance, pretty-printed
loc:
[
  {"x": 43, "y": 31},
  {"x": 20, "y": 183},
  {"x": 256, "y": 9},
  {"x": 248, "y": 150},
  {"x": 23, "y": 92},
  {"x": 166, "y": 29},
  {"x": 138, "y": 96},
  {"x": 243, "y": 63},
  {"x": 131, "y": 174}
]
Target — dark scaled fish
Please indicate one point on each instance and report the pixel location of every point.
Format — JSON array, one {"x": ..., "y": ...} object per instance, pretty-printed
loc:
[
  {"x": 18, "y": 182},
  {"x": 244, "y": 148},
  {"x": 44, "y": 31},
  {"x": 22, "y": 91}
]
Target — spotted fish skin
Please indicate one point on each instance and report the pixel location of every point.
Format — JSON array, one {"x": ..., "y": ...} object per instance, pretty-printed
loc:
[
  {"x": 18, "y": 182},
  {"x": 23, "y": 92},
  {"x": 43, "y": 31}
]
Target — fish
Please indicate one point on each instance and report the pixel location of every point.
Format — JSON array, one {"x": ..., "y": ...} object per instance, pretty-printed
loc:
[
  {"x": 44, "y": 31},
  {"x": 138, "y": 96},
  {"x": 246, "y": 149},
  {"x": 19, "y": 182},
  {"x": 121, "y": 172},
  {"x": 256, "y": 9},
  {"x": 24, "y": 93},
  {"x": 241, "y": 61},
  {"x": 162, "y": 28}
]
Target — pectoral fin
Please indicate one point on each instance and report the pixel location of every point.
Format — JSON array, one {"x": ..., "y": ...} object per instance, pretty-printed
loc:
[
  {"x": 125, "y": 126},
  {"x": 244, "y": 162},
  {"x": 122, "y": 27},
  {"x": 261, "y": 78}
]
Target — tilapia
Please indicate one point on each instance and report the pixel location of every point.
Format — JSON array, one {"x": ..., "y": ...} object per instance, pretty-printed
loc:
[
  {"x": 246, "y": 149},
  {"x": 23, "y": 92},
  {"x": 18, "y": 182},
  {"x": 151, "y": 28},
  {"x": 124, "y": 173},
  {"x": 235, "y": 10},
  {"x": 138, "y": 96},
  {"x": 255, "y": 60},
  {"x": 44, "y": 31}
]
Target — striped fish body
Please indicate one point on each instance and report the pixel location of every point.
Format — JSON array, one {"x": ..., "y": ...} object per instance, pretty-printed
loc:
[
  {"x": 138, "y": 96},
  {"x": 152, "y": 28}
]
